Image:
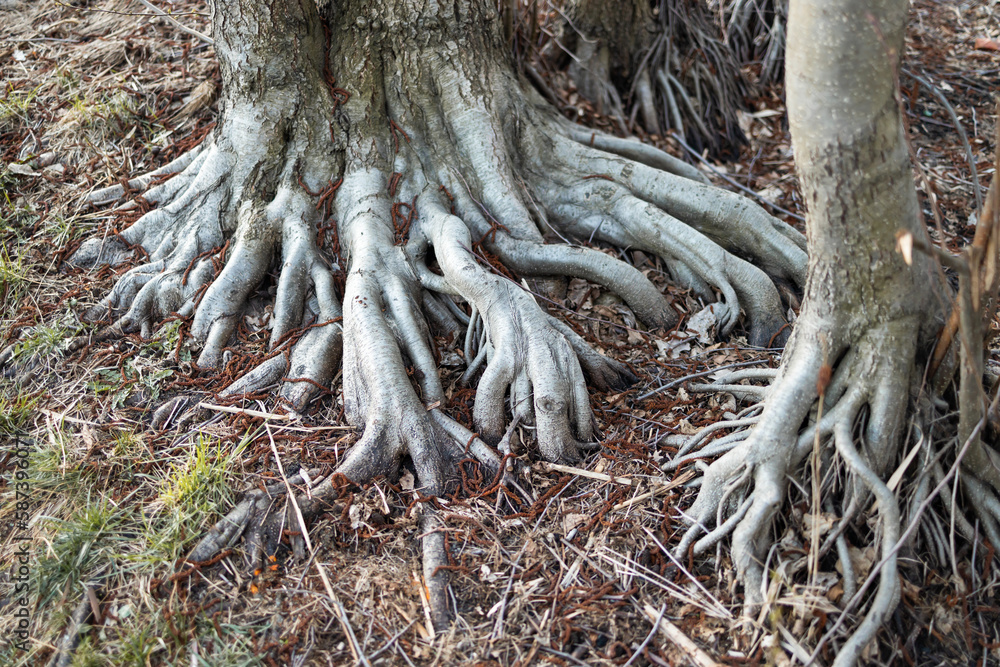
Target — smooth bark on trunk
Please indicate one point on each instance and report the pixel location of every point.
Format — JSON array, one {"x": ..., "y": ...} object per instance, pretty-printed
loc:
[
  {"x": 849, "y": 373},
  {"x": 387, "y": 163}
]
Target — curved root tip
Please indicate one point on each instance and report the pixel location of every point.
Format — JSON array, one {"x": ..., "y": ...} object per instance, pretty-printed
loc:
[
  {"x": 604, "y": 373},
  {"x": 224, "y": 533},
  {"x": 167, "y": 413},
  {"x": 98, "y": 252},
  {"x": 7, "y": 355},
  {"x": 261, "y": 516},
  {"x": 610, "y": 376},
  {"x": 70, "y": 640}
]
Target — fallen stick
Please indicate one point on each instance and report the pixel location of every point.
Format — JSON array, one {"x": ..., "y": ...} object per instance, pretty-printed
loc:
[
  {"x": 580, "y": 472},
  {"x": 625, "y": 481},
  {"x": 245, "y": 411},
  {"x": 691, "y": 650},
  {"x": 272, "y": 416},
  {"x": 663, "y": 488}
]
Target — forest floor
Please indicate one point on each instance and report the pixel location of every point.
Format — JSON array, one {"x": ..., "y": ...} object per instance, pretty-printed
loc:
[{"x": 101, "y": 90}]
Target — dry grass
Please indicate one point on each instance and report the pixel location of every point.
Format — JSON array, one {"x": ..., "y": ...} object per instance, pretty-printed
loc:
[{"x": 91, "y": 95}]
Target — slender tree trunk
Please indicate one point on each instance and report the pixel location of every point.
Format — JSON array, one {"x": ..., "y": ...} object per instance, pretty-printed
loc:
[
  {"x": 853, "y": 160},
  {"x": 867, "y": 317},
  {"x": 852, "y": 157}
]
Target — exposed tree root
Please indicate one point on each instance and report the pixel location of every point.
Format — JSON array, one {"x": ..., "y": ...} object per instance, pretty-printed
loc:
[
  {"x": 695, "y": 98},
  {"x": 184, "y": 238},
  {"x": 835, "y": 415},
  {"x": 652, "y": 47},
  {"x": 450, "y": 175},
  {"x": 65, "y": 648},
  {"x": 744, "y": 488},
  {"x": 754, "y": 31},
  {"x": 857, "y": 431}
]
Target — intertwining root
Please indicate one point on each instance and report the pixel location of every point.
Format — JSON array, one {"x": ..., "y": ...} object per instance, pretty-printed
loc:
[
  {"x": 648, "y": 45},
  {"x": 444, "y": 176},
  {"x": 743, "y": 489}
]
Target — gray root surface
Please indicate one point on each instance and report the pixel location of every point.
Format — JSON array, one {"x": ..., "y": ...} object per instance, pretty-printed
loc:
[
  {"x": 440, "y": 151},
  {"x": 865, "y": 315}
]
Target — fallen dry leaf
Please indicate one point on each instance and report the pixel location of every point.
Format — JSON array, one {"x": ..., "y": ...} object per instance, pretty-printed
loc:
[
  {"x": 686, "y": 428},
  {"x": 986, "y": 44},
  {"x": 822, "y": 522},
  {"x": 572, "y": 520},
  {"x": 21, "y": 169},
  {"x": 703, "y": 323}
]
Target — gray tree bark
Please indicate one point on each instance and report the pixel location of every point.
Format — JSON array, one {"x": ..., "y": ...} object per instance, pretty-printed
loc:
[
  {"x": 867, "y": 318},
  {"x": 409, "y": 122}
]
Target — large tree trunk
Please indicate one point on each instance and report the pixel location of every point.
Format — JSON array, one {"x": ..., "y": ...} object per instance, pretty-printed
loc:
[{"x": 414, "y": 127}]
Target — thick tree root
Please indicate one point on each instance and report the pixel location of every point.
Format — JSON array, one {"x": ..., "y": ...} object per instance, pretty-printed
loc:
[
  {"x": 229, "y": 207},
  {"x": 445, "y": 174},
  {"x": 184, "y": 240},
  {"x": 302, "y": 368},
  {"x": 743, "y": 489}
]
